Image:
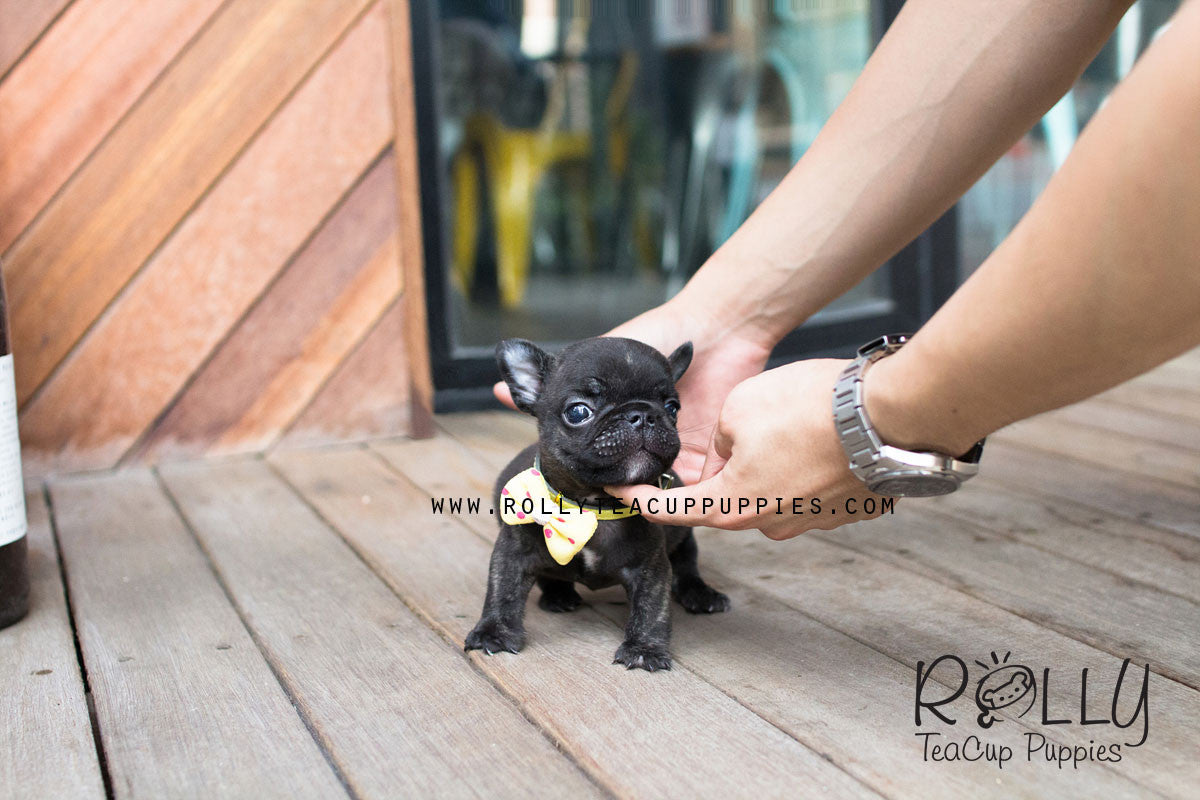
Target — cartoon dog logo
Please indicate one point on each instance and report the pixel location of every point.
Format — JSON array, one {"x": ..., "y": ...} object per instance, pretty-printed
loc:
[{"x": 1009, "y": 686}]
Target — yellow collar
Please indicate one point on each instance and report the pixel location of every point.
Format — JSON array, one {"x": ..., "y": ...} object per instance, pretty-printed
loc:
[{"x": 601, "y": 511}]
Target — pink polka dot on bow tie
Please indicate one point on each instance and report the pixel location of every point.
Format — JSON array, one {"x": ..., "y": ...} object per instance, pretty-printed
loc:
[
  {"x": 548, "y": 534},
  {"x": 535, "y": 472},
  {"x": 520, "y": 515}
]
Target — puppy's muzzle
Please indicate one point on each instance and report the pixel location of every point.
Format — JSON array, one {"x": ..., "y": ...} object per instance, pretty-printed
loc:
[{"x": 636, "y": 427}]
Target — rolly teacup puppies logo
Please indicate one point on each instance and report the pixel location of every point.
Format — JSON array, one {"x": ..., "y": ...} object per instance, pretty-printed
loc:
[
  {"x": 1007, "y": 690},
  {"x": 1009, "y": 686}
]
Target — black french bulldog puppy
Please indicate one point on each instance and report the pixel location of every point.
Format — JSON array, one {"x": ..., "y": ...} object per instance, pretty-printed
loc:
[{"x": 606, "y": 412}]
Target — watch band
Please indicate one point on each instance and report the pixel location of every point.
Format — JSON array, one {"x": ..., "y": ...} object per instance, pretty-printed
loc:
[
  {"x": 858, "y": 436},
  {"x": 878, "y": 464}
]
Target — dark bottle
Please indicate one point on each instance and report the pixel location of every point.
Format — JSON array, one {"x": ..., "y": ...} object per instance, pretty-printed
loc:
[{"x": 14, "y": 566}]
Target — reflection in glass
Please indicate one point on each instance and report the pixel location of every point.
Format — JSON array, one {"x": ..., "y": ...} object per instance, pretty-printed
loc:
[
  {"x": 590, "y": 164},
  {"x": 1002, "y": 196}
]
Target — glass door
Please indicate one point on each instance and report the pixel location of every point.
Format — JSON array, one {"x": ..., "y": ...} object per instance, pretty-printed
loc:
[{"x": 576, "y": 170}]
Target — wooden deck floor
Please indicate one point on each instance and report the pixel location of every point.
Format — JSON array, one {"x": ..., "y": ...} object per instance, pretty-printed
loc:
[{"x": 292, "y": 627}]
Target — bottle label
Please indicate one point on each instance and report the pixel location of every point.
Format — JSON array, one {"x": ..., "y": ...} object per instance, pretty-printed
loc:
[{"x": 12, "y": 489}]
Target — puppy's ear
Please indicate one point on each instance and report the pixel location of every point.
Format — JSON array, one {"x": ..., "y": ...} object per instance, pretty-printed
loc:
[
  {"x": 680, "y": 360},
  {"x": 524, "y": 367}
]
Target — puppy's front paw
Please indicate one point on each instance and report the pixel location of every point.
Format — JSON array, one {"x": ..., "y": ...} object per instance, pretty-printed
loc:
[
  {"x": 492, "y": 637},
  {"x": 700, "y": 598},
  {"x": 649, "y": 657}
]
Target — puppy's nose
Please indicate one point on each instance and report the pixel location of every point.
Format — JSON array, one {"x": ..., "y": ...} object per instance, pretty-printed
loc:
[{"x": 639, "y": 419}]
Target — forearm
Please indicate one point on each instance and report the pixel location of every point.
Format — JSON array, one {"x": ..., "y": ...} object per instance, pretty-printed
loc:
[
  {"x": 1098, "y": 283},
  {"x": 949, "y": 89}
]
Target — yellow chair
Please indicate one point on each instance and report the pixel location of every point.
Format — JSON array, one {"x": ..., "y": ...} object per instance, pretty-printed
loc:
[
  {"x": 509, "y": 164},
  {"x": 514, "y": 162}
]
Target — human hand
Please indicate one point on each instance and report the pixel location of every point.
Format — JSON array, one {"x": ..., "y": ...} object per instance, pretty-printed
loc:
[
  {"x": 774, "y": 439},
  {"x": 722, "y": 360}
]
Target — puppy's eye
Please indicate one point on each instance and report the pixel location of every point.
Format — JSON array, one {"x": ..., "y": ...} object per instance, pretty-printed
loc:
[
  {"x": 577, "y": 414},
  {"x": 672, "y": 407}
]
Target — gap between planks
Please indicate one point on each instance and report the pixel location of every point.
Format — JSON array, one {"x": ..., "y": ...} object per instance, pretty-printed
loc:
[
  {"x": 185, "y": 702},
  {"x": 52, "y": 750},
  {"x": 273, "y": 554}
]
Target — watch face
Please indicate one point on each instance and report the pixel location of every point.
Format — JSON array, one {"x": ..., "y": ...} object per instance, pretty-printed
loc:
[{"x": 914, "y": 485}]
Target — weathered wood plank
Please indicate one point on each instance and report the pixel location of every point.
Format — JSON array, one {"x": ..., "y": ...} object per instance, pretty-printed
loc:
[
  {"x": 495, "y": 435},
  {"x": 408, "y": 194},
  {"x": 368, "y": 395},
  {"x": 279, "y": 355},
  {"x": 186, "y": 704},
  {"x": 337, "y": 636},
  {"x": 165, "y": 153},
  {"x": 1136, "y": 422},
  {"x": 1144, "y": 500},
  {"x": 668, "y": 734},
  {"x": 457, "y": 470},
  {"x": 1170, "y": 561},
  {"x": 782, "y": 665},
  {"x": 143, "y": 351},
  {"x": 73, "y": 86},
  {"x": 1156, "y": 399},
  {"x": 914, "y": 618},
  {"x": 1115, "y": 451},
  {"x": 1181, "y": 374},
  {"x": 24, "y": 22},
  {"x": 1138, "y": 618},
  {"x": 1189, "y": 361},
  {"x": 48, "y": 749}
]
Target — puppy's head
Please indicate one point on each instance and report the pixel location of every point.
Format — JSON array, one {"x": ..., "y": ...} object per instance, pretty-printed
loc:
[{"x": 605, "y": 407}]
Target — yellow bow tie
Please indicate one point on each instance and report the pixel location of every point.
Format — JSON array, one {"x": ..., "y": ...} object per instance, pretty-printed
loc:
[
  {"x": 568, "y": 526},
  {"x": 527, "y": 499}
]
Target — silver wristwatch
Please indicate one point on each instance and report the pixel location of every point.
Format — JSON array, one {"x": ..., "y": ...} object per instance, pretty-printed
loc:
[{"x": 885, "y": 469}]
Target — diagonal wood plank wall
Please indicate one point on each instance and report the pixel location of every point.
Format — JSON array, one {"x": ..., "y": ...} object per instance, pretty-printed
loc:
[{"x": 208, "y": 226}]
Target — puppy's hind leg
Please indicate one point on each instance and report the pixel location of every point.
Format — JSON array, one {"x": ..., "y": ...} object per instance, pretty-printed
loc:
[
  {"x": 510, "y": 577},
  {"x": 696, "y": 596},
  {"x": 558, "y": 596}
]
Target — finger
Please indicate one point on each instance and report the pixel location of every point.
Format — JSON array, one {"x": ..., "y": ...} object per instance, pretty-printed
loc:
[
  {"x": 500, "y": 389},
  {"x": 686, "y": 505},
  {"x": 713, "y": 464},
  {"x": 788, "y": 528},
  {"x": 688, "y": 466},
  {"x": 720, "y": 448}
]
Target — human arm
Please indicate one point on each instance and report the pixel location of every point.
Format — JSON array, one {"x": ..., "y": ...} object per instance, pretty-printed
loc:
[
  {"x": 948, "y": 90},
  {"x": 1098, "y": 283}
]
